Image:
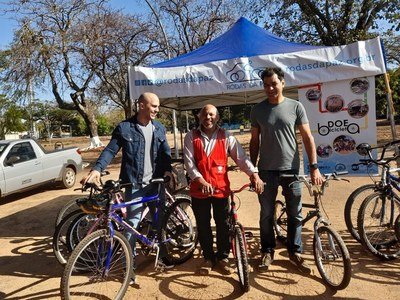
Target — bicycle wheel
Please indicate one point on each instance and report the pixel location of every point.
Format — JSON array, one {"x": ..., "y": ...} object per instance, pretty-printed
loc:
[
  {"x": 100, "y": 267},
  {"x": 397, "y": 227},
  {"x": 60, "y": 245},
  {"x": 332, "y": 258},
  {"x": 179, "y": 232},
  {"x": 352, "y": 207},
  {"x": 280, "y": 221},
  {"x": 239, "y": 250},
  {"x": 376, "y": 225},
  {"x": 68, "y": 207},
  {"x": 79, "y": 228}
]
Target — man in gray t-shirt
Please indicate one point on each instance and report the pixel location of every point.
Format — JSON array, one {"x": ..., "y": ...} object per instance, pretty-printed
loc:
[{"x": 273, "y": 134}]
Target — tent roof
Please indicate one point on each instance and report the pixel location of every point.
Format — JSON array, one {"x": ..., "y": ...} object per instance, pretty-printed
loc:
[{"x": 243, "y": 39}]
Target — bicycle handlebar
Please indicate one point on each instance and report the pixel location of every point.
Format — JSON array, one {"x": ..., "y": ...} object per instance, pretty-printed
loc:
[
  {"x": 366, "y": 150},
  {"x": 306, "y": 179}
]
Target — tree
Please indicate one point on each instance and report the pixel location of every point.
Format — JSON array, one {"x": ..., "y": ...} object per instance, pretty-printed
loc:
[
  {"x": 10, "y": 117},
  {"x": 73, "y": 45},
  {"x": 126, "y": 41},
  {"x": 192, "y": 23},
  {"x": 325, "y": 22}
]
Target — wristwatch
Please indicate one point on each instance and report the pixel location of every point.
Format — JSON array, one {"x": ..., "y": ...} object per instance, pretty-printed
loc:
[{"x": 313, "y": 166}]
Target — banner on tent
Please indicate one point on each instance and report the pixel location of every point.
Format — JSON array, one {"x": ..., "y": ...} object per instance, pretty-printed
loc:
[
  {"x": 341, "y": 116},
  {"x": 243, "y": 74}
]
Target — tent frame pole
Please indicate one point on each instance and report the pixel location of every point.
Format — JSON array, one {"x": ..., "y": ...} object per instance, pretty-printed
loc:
[{"x": 389, "y": 100}]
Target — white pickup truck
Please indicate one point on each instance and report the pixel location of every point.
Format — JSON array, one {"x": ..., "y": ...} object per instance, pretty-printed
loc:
[{"x": 25, "y": 164}]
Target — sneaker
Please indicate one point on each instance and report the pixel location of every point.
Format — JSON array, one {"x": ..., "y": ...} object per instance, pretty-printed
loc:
[
  {"x": 161, "y": 266},
  {"x": 206, "y": 267},
  {"x": 133, "y": 281},
  {"x": 266, "y": 261},
  {"x": 299, "y": 262},
  {"x": 224, "y": 266}
]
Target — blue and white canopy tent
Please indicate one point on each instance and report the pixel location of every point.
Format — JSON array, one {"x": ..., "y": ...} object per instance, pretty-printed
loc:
[{"x": 226, "y": 70}]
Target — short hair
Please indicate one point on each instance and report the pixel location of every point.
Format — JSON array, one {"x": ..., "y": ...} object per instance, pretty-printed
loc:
[{"x": 268, "y": 72}]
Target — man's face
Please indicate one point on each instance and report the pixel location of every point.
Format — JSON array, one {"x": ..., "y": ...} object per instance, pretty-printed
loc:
[
  {"x": 150, "y": 108},
  {"x": 273, "y": 87},
  {"x": 208, "y": 117}
]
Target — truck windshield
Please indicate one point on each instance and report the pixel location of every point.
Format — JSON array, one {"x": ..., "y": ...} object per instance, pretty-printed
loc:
[{"x": 2, "y": 148}]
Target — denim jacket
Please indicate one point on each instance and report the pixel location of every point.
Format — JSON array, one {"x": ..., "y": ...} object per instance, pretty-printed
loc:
[{"x": 128, "y": 136}]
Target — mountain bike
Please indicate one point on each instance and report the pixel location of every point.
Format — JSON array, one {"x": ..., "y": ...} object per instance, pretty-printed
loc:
[
  {"x": 101, "y": 265},
  {"x": 77, "y": 224},
  {"x": 238, "y": 241},
  {"x": 356, "y": 198},
  {"x": 378, "y": 212},
  {"x": 330, "y": 252}
]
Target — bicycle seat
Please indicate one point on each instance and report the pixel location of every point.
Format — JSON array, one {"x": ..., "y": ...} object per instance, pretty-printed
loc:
[{"x": 363, "y": 149}]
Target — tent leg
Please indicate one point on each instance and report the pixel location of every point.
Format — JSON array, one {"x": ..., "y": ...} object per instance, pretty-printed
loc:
[
  {"x": 175, "y": 133},
  {"x": 389, "y": 100}
]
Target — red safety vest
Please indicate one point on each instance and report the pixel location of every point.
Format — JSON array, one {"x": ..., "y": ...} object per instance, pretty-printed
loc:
[{"x": 213, "y": 168}]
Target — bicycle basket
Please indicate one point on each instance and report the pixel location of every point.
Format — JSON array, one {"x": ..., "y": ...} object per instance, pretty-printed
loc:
[{"x": 94, "y": 204}]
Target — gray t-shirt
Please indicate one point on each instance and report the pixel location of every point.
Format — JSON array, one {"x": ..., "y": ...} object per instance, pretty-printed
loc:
[
  {"x": 148, "y": 137},
  {"x": 277, "y": 124}
]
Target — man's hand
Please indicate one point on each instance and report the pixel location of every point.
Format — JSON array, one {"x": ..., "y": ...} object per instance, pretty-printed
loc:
[
  {"x": 316, "y": 177},
  {"x": 93, "y": 176},
  {"x": 205, "y": 187},
  {"x": 258, "y": 184}
]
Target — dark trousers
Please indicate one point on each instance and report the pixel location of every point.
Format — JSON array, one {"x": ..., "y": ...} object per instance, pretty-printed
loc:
[{"x": 220, "y": 213}]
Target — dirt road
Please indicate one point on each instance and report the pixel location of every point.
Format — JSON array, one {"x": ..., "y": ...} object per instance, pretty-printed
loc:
[{"x": 28, "y": 269}]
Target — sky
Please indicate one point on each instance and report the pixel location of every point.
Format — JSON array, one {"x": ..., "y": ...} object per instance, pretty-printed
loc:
[{"x": 7, "y": 25}]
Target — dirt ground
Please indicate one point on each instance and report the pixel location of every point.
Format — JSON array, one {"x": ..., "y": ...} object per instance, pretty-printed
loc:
[{"x": 28, "y": 269}]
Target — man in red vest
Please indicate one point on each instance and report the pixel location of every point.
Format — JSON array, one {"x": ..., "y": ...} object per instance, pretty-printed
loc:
[{"x": 206, "y": 154}]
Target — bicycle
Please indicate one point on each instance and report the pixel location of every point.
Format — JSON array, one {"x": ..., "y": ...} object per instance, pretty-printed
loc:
[
  {"x": 238, "y": 241},
  {"x": 355, "y": 199},
  {"x": 77, "y": 224},
  {"x": 101, "y": 265},
  {"x": 378, "y": 212},
  {"x": 72, "y": 205},
  {"x": 329, "y": 250}
]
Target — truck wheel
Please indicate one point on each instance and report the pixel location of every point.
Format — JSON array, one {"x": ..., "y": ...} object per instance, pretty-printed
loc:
[{"x": 68, "y": 178}]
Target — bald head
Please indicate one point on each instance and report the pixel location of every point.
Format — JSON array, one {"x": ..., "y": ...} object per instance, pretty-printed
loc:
[
  {"x": 148, "y": 107},
  {"x": 208, "y": 108},
  {"x": 208, "y": 118}
]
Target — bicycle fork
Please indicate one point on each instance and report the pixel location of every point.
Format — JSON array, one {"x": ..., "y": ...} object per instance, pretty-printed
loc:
[{"x": 326, "y": 254}]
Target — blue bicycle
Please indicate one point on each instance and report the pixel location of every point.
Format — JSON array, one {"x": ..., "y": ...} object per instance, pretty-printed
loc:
[{"x": 101, "y": 265}]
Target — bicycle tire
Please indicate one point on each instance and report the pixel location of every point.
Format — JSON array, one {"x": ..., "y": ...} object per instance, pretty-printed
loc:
[
  {"x": 331, "y": 262},
  {"x": 60, "y": 246},
  {"x": 397, "y": 227},
  {"x": 179, "y": 231},
  {"x": 239, "y": 250},
  {"x": 280, "y": 221},
  {"x": 96, "y": 282},
  {"x": 79, "y": 228},
  {"x": 65, "y": 210},
  {"x": 376, "y": 231},
  {"x": 353, "y": 204}
]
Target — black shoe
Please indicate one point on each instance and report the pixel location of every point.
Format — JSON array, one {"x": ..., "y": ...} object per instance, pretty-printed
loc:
[
  {"x": 300, "y": 263},
  {"x": 266, "y": 261},
  {"x": 206, "y": 267},
  {"x": 224, "y": 266}
]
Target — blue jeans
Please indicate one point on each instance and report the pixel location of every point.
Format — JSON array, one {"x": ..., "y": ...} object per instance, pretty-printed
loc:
[
  {"x": 267, "y": 199},
  {"x": 135, "y": 212}
]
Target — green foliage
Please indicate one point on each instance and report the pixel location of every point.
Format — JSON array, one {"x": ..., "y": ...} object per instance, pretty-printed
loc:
[
  {"x": 104, "y": 127},
  {"x": 381, "y": 100},
  {"x": 10, "y": 117}
]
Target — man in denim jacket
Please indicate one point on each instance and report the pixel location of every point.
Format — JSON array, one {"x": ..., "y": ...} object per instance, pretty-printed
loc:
[{"x": 145, "y": 155}]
